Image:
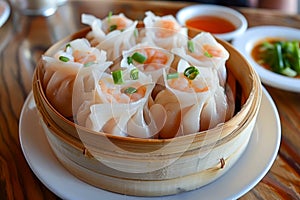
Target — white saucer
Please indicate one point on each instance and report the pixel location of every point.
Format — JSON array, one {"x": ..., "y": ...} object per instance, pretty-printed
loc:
[
  {"x": 242, "y": 177},
  {"x": 4, "y": 12},
  {"x": 246, "y": 42}
]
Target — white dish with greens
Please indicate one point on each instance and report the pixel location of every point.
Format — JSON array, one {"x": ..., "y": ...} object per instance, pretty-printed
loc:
[{"x": 274, "y": 52}]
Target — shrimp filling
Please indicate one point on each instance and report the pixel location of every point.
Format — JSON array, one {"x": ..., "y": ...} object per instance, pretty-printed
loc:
[
  {"x": 168, "y": 28},
  {"x": 127, "y": 94},
  {"x": 155, "y": 59},
  {"x": 186, "y": 85}
]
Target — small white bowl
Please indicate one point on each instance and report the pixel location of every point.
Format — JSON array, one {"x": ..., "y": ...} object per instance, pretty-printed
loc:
[{"x": 236, "y": 18}]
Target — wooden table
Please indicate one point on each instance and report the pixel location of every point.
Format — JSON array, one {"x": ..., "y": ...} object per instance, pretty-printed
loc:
[{"x": 23, "y": 39}]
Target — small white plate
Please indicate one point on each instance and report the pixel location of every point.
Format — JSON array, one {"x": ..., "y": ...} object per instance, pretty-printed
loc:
[
  {"x": 242, "y": 177},
  {"x": 246, "y": 42},
  {"x": 4, "y": 12}
]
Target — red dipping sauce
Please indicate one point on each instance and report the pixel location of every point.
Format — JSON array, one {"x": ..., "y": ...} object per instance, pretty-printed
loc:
[{"x": 210, "y": 24}]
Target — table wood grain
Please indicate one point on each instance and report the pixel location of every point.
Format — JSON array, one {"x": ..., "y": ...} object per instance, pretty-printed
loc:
[{"x": 24, "y": 38}]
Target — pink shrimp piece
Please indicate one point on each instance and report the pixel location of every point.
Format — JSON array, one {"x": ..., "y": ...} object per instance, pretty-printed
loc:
[
  {"x": 116, "y": 23},
  {"x": 114, "y": 94},
  {"x": 140, "y": 93},
  {"x": 214, "y": 51},
  {"x": 172, "y": 26},
  {"x": 207, "y": 52},
  {"x": 156, "y": 59},
  {"x": 83, "y": 57},
  {"x": 183, "y": 84}
]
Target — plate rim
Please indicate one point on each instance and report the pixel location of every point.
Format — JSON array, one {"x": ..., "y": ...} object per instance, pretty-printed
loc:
[
  {"x": 6, "y": 12},
  {"x": 90, "y": 190},
  {"x": 252, "y": 35}
]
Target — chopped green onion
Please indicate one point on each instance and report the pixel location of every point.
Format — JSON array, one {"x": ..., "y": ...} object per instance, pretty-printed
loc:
[
  {"x": 172, "y": 76},
  {"x": 296, "y": 56},
  {"x": 129, "y": 60},
  {"x": 118, "y": 77},
  {"x": 289, "y": 72},
  {"x": 64, "y": 58},
  {"x": 109, "y": 16},
  {"x": 191, "y": 46},
  {"x": 113, "y": 27},
  {"x": 130, "y": 90},
  {"x": 88, "y": 64},
  {"x": 208, "y": 54},
  {"x": 138, "y": 57},
  {"x": 68, "y": 46},
  {"x": 191, "y": 72},
  {"x": 136, "y": 33},
  {"x": 134, "y": 74},
  {"x": 279, "y": 65}
]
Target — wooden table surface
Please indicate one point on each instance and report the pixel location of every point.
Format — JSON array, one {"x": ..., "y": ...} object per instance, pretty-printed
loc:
[{"x": 23, "y": 39}]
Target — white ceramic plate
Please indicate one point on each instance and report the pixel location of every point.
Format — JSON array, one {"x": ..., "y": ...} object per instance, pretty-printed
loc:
[
  {"x": 242, "y": 177},
  {"x": 246, "y": 42},
  {"x": 4, "y": 12}
]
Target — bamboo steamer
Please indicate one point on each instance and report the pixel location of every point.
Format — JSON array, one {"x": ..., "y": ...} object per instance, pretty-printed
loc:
[{"x": 152, "y": 167}]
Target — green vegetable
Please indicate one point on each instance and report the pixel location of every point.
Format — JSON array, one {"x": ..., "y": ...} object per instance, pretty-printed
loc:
[
  {"x": 191, "y": 72},
  {"x": 64, "y": 58},
  {"x": 172, "y": 76},
  {"x": 109, "y": 16},
  {"x": 88, "y": 64},
  {"x": 138, "y": 57},
  {"x": 191, "y": 46},
  {"x": 129, "y": 60},
  {"x": 118, "y": 77},
  {"x": 134, "y": 74},
  {"x": 296, "y": 56},
  {"x": 278, "y": 66},
  {"x": 130, "y": 90},
  {"x": 208, "y": 54},
  {"x": 113, "y": 27},
  {"x": 283, "y": 57}
]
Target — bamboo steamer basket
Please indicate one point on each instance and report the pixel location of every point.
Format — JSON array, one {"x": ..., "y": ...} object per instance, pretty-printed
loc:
[{"x": 152, "y": 167}]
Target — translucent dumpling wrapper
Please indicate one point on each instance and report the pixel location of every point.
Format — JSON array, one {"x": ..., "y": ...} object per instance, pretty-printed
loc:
[
  {"x": 113, "y": 34},
  {"x": 192, "y": 105},
  {"x": 120, "y": 109},
  {"x": 204, "y": 51},
  {"x": 61, "y": 71},
  {"x": 164, "y": 31},
  {"x": 149, "y": 59}
]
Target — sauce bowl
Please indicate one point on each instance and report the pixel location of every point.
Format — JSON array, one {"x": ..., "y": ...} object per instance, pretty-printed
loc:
[{"x": 222, "y": 12}]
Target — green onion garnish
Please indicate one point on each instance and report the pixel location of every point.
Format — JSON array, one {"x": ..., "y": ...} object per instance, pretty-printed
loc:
[
  {"x": 134, "y": 74},
  {"x": 172, "y": 76},
  {"x": 64, "y": 58},
  {"x": 136, "y": 33},
  {"x": 191, "y": 72},
  {"x": 138, "y": 57},
  {"x": 68, "y": 46},
  {"x": 129, "y": 60},
  {"x": 208, "y": 54},
  {"x": 191, "y": 46},
  {"x": 113, "y": 27},
  {"x": 88, "y": 64},
  {"x": 109, "y": 16},
  {"x": 118, "y": 77},
  {"x": 130, "y": 90}
]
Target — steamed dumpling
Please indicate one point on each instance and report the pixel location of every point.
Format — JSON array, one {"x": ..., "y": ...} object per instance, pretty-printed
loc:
[
  {"x": 62, "y": 68},
  {"x": 148, "y": 59},
  {"x": 113, "y": 34},
  {"x": 164, "y": 31},
  {"x": 192, "y": 104},
  {"x": 204, "y": 51},
  {"x": 121, "y": 109}
]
